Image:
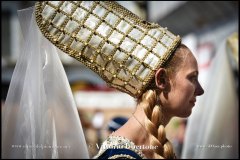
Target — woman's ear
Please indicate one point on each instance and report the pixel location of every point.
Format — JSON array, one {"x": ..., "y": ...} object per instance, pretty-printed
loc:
[{"x": 161, "y": 78}]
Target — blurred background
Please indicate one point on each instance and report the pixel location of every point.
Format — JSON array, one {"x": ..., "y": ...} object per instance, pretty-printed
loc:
[{"x": 203, "y": 27}]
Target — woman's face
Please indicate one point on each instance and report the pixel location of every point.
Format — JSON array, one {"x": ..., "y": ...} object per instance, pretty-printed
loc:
[{"x": 184, "y": 88}]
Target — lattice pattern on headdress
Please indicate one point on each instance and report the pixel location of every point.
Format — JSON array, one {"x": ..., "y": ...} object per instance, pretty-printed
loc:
[{"x": 112, "y": 41}]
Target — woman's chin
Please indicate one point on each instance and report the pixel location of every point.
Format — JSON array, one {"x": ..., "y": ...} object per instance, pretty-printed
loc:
[{"x": 185, "y": 114}]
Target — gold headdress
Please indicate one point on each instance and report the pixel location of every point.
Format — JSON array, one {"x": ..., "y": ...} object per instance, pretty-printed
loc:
[{"x": 112, "y": 41}]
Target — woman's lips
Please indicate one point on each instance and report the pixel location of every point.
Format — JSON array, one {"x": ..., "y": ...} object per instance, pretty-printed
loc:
[{"x": 193, "y": 101}]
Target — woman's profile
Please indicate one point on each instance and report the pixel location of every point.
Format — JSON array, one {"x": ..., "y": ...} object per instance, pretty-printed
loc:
[
  {"x": 139, "y": 58},
  {"x": 172, "y": 92}
]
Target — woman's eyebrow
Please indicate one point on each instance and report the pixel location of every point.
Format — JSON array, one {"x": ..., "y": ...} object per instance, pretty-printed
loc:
[{"x": 194, "y": 73}]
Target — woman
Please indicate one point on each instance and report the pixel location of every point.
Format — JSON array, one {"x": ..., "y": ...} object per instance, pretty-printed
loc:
[
  {"x": 173, "y": 93},
  {"x": 139, "y": 58}
]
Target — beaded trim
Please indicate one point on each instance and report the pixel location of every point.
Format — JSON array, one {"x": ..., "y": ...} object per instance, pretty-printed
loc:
[
  {"x": 126, "y": 13},
  {"x": 116, "y": 44},
  {"x": 121, "y": 156}
]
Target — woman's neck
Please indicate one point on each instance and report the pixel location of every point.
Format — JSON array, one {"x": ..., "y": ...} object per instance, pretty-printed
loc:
[
  {"x": 136, "y": 131},
  {"x": 133, "y": 127}
]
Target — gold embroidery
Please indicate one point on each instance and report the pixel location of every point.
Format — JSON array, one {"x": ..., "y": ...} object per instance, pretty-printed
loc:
[{"x": 121, "y": 156}]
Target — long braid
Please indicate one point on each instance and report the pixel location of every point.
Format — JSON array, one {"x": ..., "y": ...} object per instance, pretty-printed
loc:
[{"x": 154, "y": 126}]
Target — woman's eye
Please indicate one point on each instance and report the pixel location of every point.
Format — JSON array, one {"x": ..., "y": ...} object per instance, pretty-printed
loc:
[{"x": 193, "y": 78}]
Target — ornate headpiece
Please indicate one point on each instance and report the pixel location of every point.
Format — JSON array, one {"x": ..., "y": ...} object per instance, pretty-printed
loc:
[{"x": 112, "y": 41}]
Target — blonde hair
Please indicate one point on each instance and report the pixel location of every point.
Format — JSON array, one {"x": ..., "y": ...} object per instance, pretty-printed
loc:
[
  {"x": 154, "y": 121},
  {"x": 154, "y": 126}
]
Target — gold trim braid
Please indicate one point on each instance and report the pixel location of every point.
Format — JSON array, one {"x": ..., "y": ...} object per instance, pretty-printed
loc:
[{"x": 126, "y": 13}]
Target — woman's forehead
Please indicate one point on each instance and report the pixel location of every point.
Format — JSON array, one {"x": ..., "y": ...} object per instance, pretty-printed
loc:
[{"x": 190, "y": 62}]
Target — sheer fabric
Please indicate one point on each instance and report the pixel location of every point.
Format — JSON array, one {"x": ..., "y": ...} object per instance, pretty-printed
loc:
[{"x": 40, "y": 118}]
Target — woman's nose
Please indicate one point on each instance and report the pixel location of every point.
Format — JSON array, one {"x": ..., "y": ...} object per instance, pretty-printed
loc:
[{"x": 199, "y": 90}]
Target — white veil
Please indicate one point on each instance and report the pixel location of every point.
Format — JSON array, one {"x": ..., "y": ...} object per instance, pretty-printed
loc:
[{"x": 40, "y": 118}]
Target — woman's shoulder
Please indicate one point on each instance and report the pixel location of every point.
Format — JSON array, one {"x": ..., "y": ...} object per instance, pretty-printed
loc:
[{"x": 119, "y": 147}]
